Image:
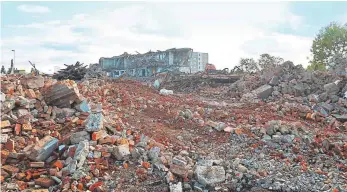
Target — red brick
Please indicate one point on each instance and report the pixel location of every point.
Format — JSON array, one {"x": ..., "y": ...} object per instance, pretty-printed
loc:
[
  {"x": 4, "y": 173},
  {"x": 106, "y": 140},
  {"x": 5, "y": 124},
  {"x": 30, "y": 93},
  {"x": 49, "y": 110},
  {"x": 20, "y": 176},
  {"x": 37, "y": 164},
  {"x": 10, "y": 169},
  {"x": 26, "y": 127},
  {"x": 44, "y": 182},
  {"x": 17, "y": 129},
  {"x": 58, "y": 164},
  {"x": 9, "y": 145},
  {"x": 97, "y": 135},
  {"x": 53, "y": 171},
  {"x": 179, "y": 171}
]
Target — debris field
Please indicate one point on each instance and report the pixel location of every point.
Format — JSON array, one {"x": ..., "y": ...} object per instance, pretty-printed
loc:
[{"x": 283, "y": 130}]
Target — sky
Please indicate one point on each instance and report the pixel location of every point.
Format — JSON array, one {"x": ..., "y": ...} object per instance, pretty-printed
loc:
[{"x": 55, "y": 33}]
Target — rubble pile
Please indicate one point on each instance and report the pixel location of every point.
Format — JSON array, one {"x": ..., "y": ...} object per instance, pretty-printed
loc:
[
  {"x": 215, "y": 85},
  {"x": 94, "y": 71},
  {"x": 121, "y": 135},
  {"x": 288, "y": 79}
]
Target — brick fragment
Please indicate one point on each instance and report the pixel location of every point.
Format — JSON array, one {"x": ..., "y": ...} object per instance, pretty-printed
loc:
[
  {"x": 20, "y": 176},
  {"x": 40, "y": 190},
  {"x": 10, "y": 169},
  {"x": 3, "y": 138},
  {"x": 8, "y": 130},
  {"x": 17, "y": 129},
  {"x": 44, "y": 182},
  {"x": 97, "y": 135},
  {"x": 5, "y": 124},
  {"x": 37, "y": 164},
  {"x": 26, "y": 127},
  {"x": 9, "y": 145},
  {"x": 58, "y": 164},
  {"x": 4, "y": 173},
  {"x": 30, "y": 94},
  {"x": 49, "y": 110},
  {"x": 179, "y": 171}
]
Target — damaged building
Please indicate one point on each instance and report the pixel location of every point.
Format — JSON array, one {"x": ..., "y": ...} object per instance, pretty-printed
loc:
[{"x": 150, "y": 63}]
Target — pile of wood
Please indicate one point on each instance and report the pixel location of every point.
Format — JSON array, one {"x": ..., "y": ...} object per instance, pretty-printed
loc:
[{"x": 72, "y": 72}]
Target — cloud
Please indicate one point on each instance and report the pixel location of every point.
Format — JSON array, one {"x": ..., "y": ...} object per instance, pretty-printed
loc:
[
  {"x": 227, "y": 31},
  {"x": 33, "y": 9},
  {"x": 343, "y": 19}
]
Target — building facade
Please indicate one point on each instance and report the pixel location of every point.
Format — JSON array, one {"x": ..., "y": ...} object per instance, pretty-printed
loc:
[{"x": 151, "y": 63}]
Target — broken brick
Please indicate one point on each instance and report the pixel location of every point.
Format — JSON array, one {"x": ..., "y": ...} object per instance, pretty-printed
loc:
[
  {"x": 97, "y": 135},
  {"x": 20, "y": 176},
  {"x": 30, "y": 94},
  {"x": 5, "y": 124},
  {"x": 17, "y": 129},
  {"x": 9, "y": 145},
  {"x": 27, "y": 127},
  {"x": 44, "y": 182},
  {"x": 58, "y": 164},
  {"x": 10, "y": 169},
  {"x": 37, "y": 164},
  {"x": 4, "y": 173}
]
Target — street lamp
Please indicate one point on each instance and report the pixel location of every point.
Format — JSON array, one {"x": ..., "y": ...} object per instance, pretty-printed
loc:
[{"x": 14, "y": 57}]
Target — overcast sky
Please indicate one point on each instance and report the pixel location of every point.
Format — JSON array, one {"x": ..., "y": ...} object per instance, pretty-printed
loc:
[{"x": 56, "y": 33}]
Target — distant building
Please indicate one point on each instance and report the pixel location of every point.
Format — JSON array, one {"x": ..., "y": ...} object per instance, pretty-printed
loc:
[
  {"x": 150, "y": 63},
  {"x": 198, "y": 61}
]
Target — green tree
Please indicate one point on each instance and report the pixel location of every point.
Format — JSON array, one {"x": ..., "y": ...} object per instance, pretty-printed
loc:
[
  {"x": 329, "y": 46},
  {"x": 3, "y": 71},
  {"x": 248, "y": 65},
  {"x": 267, "y": 61}
]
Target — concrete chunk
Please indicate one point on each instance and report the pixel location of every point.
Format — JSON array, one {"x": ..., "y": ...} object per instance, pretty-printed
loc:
[
  {"x": 331, "y": 88},
  {"x": 94, "y": 122},
  {"x": 81, "y": 153},
  {"x": 41, "y": 150},
  {"x": 209, "y": 175},
  {"x": 77, "y": 137},
  {"x": 33, "y": 82},
  {"x": 263, "y": 92},
  {"x": 62, "y": 94},
  {"x": 121, "y": 151}
]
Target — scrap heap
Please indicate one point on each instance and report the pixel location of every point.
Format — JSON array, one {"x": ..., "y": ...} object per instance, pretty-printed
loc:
[
  {"x": 72, "y": 72},
  {"x": 121, "y": 135}
]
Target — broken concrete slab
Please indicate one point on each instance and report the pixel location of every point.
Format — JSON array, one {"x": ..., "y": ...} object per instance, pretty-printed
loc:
[
  {"x": 62, "y": 94},
  {"x": 263, "y": 92},
  {"x": 41, "y": 150}
]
